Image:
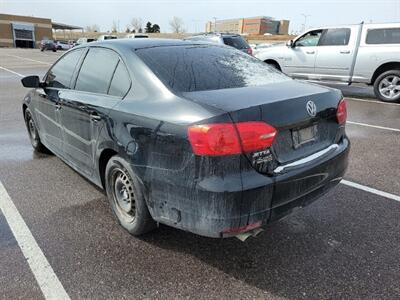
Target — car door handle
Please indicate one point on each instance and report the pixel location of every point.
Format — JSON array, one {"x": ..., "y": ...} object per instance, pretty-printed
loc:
[
  {"x": 95, "y": 117},
  {"x": 345, "y": 52},
  {"x": 310, "y": 52}
]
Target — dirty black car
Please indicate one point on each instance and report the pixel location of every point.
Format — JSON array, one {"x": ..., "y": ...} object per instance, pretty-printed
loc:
[{"x": 200, "y": 137}]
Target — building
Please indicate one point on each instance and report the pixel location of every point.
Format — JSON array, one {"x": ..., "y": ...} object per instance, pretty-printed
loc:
[
  {"x": 254, "y": 25},
  {"x": 27, "y": 32}
]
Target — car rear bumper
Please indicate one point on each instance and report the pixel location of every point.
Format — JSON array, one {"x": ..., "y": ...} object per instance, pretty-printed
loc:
[{"x": 224, "y": 207}]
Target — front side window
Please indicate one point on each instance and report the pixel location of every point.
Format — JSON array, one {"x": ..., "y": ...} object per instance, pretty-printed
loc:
[
  {"x": 207, "y": 67},
  {"x": 60, "y": 74},
  {"x": 383, "y": 36},
  {"x": 336, "y": 37},
  {"x": 310, "y": 39},
  {"x": 97, "y": 70}
]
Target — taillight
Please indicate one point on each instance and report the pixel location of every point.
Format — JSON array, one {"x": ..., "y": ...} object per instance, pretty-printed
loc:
[
  {"x": 341, "y": 112},
  {"x": 249, "y": 51},
  {"x": 256, "y": 135},
  {"x": 229, "y": 138}
]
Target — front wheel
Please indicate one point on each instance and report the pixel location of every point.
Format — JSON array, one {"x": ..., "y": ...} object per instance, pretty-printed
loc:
[
  {"x": 125, "y": 194},
  {"x": 33, "y": 133},
  {"x": 387, "y": 86}
]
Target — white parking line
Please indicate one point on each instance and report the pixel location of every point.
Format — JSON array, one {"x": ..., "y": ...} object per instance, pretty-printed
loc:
[
  {"x": 373, "y": 126},
  {"x": 371, "y": 101},
  {"x": 11, "y": 71},
  {"x": 38, "y": 61},
  {"x": 371, "y": 190},
  {"x": 46, "y": 278}
]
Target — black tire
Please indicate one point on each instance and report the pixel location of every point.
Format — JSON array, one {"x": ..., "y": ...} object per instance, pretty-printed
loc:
[
  {"x": 126, "y": 198},
  {"x": 33, "y": 133},
  {"x": 383, "y": 83}
]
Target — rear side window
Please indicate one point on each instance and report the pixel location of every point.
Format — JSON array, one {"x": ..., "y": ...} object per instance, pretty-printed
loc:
[
  {"x": 207, "y": 67},
  {"x": 61, "y": 73},
  {"x": 97, "y": 70},
  {"x": 120, "y": 83},
  {"x": 336, "y": 37},
  {"x": 383, "y": 36},
  {"x": 236, "y": 41}
]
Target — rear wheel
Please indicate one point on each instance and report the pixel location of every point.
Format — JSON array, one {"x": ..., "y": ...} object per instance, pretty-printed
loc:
[
  {"x": 126, "y": 197},
  {"x": 387, "y": 86},
  {"x": 33, "y": 133}
]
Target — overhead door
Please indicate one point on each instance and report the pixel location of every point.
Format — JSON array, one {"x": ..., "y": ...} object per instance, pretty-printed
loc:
[{"x": 24, "y": 35}]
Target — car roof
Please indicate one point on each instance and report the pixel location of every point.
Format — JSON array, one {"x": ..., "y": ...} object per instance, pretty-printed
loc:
[
  {"x": 136, "y": 44},
  {"x": 224, "y": 34}
]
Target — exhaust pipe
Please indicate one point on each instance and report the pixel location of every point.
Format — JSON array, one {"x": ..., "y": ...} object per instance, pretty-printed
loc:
[{"x": 245, "y": 235}]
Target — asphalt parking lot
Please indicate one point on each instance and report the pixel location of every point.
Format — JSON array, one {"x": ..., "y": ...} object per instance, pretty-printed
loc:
[{"x": 347, "y": 245}]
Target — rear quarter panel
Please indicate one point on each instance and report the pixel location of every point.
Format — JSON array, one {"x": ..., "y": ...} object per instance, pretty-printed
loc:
[{"x": 372, "y": 56}]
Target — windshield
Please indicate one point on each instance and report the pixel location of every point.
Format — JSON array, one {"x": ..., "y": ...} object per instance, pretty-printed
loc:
[
  {"x": 207, "y": 67},
  {"x": 236, "y": 42}
]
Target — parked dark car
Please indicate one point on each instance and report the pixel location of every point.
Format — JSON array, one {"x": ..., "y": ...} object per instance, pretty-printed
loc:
[
  {"x": 197, "y": 136},
  {"x": 230, "y": 39},
  {"x": 48, "y": 45}
]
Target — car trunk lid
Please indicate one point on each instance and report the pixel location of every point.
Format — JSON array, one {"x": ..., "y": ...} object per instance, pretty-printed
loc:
[{"x": 284, "y": 106}]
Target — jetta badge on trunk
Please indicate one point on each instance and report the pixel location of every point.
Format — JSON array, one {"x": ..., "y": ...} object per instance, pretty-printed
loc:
[{"x": 311, "y": 108}]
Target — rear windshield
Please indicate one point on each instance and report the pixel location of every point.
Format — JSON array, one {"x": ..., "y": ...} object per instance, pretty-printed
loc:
[
  {"x": 383, "y": 36},
  {"x": 236, "y": 41},
  {"x": 207, "y": 67}
]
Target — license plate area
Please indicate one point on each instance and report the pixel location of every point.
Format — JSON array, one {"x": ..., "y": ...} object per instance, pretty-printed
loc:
[{"x": 304, "y": 135}]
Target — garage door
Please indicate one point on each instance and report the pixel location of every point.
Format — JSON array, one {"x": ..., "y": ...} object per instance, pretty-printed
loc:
[{"x": 24, "y": 36}]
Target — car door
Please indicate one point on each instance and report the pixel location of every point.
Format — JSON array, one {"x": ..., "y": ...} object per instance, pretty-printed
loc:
[
  {"x": 299, "y": 60},
  {"x": 47, "y": 106},
  {"x": 335, "y": 54},
  {"x": 84, "y": 109}
]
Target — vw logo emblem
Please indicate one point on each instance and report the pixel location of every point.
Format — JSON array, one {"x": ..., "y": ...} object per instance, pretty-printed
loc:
[{"x": 311, "y": 108}]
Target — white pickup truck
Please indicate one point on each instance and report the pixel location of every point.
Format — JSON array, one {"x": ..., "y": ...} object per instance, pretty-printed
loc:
[{"x": 363, "y": 53}]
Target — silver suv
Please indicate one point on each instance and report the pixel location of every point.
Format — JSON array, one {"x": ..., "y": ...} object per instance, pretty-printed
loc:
[
  {"x": 230, "y": 39},
  {"x": 363, "y": 53}
]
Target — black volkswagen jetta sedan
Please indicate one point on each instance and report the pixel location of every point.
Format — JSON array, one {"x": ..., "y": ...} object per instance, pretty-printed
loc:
[{"x": 200, "y": 137}]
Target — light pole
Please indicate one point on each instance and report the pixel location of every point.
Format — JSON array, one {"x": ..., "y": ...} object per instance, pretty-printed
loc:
[
  {"x": 195, "y": 22},
  {"x": 305, "y": 21}
]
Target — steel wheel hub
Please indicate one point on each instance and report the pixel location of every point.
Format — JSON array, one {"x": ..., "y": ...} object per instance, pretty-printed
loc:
[
  {"x": 123, "y": 195},
  {"x": 32, "y": 129}
]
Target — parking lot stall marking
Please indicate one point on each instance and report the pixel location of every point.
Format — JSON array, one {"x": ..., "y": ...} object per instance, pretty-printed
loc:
[
  {"x": 11, "y": 71},
  {"x": 371, "y": 190},
  {"x": 47, "y": 280},
  {"x": 371, "y": 101},
  {"x": 34, "y": 60},
  {"x": 373, "y": 126}
]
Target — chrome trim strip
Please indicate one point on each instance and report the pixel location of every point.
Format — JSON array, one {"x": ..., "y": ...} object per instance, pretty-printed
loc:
[{"x": 307, "y": 159}]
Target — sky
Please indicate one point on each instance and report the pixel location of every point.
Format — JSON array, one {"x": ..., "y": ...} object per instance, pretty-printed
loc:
[{"x": 195, "y": 13}]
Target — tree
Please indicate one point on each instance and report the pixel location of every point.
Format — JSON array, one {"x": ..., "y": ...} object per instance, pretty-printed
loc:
[
  {"x": 92, "y": 28},
  {"x": 127, "y": 30},
  {"x": 176, "y": 25},
  {"x": 156, "y": 28},
  {"x": 114, "y": 27},
  {"x": 149, "y": 28},
  {"x": 136, "y": 24}
]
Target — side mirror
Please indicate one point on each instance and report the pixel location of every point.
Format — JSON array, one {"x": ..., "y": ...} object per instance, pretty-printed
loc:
[
  {"x": 31, "y": 81},
  {"x": 290, "y": 44}
]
